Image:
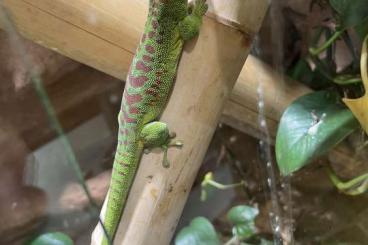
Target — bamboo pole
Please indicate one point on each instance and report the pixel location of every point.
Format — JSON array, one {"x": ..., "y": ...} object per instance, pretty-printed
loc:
[
  {"x": 241, "y": 110},
  {"x": 208, "y": 70},
  {"x": 104, "y": 34}
]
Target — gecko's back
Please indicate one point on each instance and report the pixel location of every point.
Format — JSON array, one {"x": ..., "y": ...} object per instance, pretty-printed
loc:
[{"x": 149, "y": 83}]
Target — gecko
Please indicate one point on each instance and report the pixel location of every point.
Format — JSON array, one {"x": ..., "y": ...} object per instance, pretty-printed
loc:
[{"x": 148, "y": 86}]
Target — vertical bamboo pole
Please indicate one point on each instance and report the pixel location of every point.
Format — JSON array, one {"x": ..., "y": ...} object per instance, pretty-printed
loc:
[{"x": 208, "y": 70}]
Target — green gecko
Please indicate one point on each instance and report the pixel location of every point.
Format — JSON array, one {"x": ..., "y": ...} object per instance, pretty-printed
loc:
[{"x": 149, "y": 84}]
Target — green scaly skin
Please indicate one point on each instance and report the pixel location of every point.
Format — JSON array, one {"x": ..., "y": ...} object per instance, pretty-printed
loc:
[{"x": 149, "y": 83}]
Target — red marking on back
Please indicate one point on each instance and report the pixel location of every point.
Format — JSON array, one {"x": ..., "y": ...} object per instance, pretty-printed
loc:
[
  {"x": 122, "y": 121},
  {"x": 151, "y": 103},
  {"x": 152, "y": 92},
  {"x": 123, "y": 154},
  {"x": 142, "y": 67},
  {"x": 154, "y": 24},
  {"x": 137, "y": 82},
  {"x": 158, "y": 82},
  {"x": 124, "y": 164},
  {"x": 150, "y": 49},
  {"x": 133, "y": 110},
  {"x": 129, "y": 119},
  {"x": 133, "y": 98},
  {"x": 151, "y": 34},
  {"x": 121, "y": 173},
  {"x": 155, "y": 86},
  {"x": 147, "y": 58}
]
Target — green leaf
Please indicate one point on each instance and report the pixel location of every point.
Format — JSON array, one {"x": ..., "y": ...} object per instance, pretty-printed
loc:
[
  {"x": 309, "y": 127},
  {"x": 242, "y": 214},
  {"x": 265, "y": 242},
  {"x": 242, "y": 217},
  {"x": 316, "y": 79},
  {"x": 244, "y": 230},
  {"x": 55, "y": 238},
  {"x": 351, "y": 12},
  {"x": 199, "y": 232},
  {"x": 362, "y": 29}
]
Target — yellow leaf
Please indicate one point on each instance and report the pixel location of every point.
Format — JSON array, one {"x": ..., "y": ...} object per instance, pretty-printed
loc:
[{"x": 359, "y": 107}]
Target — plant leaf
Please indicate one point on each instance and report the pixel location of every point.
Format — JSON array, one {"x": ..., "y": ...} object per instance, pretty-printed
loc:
[
  {"x": 265, "y": 242},
  {"x": 351, "y": 12},
  {"x": 55, "y": 238},
  {"x": 362, "y": 29},
  {"x": 242, "y": 214},
  {"x": 310, "y": 126},
  {"x": 199, "y": 232},
  {"x": 242, "y": 217},
  {"x": 245, "y": 230}
]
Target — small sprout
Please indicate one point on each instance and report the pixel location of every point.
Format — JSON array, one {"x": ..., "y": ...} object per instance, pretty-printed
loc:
[
  {"x": 356, "y": 186},
  {"x": 209, "y": 181}
]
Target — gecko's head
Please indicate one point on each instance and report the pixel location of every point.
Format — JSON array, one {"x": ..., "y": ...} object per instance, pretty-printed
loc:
[{"x": 176, "y": 9}]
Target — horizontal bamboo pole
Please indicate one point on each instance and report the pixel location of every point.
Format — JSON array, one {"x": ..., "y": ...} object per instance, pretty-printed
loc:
[
  {"x": 241, "y": 111},
  {"x": 104, "y": 35}
]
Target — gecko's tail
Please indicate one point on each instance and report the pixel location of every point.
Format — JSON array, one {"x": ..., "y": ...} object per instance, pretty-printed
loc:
[{"x": 124, "y": 170}]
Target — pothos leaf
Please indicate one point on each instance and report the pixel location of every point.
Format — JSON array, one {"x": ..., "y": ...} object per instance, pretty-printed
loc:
[
  {"x": 362, "y": 29},
  {"x": 350, "y": 12},
  {"x": 309, "y": 127},
  {"x": 243, "y": 217},
  {"x": 55, "y": 238},
  {"x": 244, "y": 231},
  {"x": 242, "y": 213},
  {"x": 199, "y": 232}
]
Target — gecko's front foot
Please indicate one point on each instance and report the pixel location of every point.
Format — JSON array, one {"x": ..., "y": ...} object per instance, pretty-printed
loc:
[
  {"x": 156, "y": 134},
  {"x": 189, "y": 26},
  {"x": 171, "y": 143}
]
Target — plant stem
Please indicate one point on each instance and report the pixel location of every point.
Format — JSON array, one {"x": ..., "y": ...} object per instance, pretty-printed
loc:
[
  {"x": 45, "y": 100},
  {"x": 324, "y": 46},
  {"x": 344, "y": 186},
  {"x": 350, "y": 80},
  {"x": 222, "y": 186},
  {"x": 42, "y": 94},
  {"x": 359, "y": 190}
]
